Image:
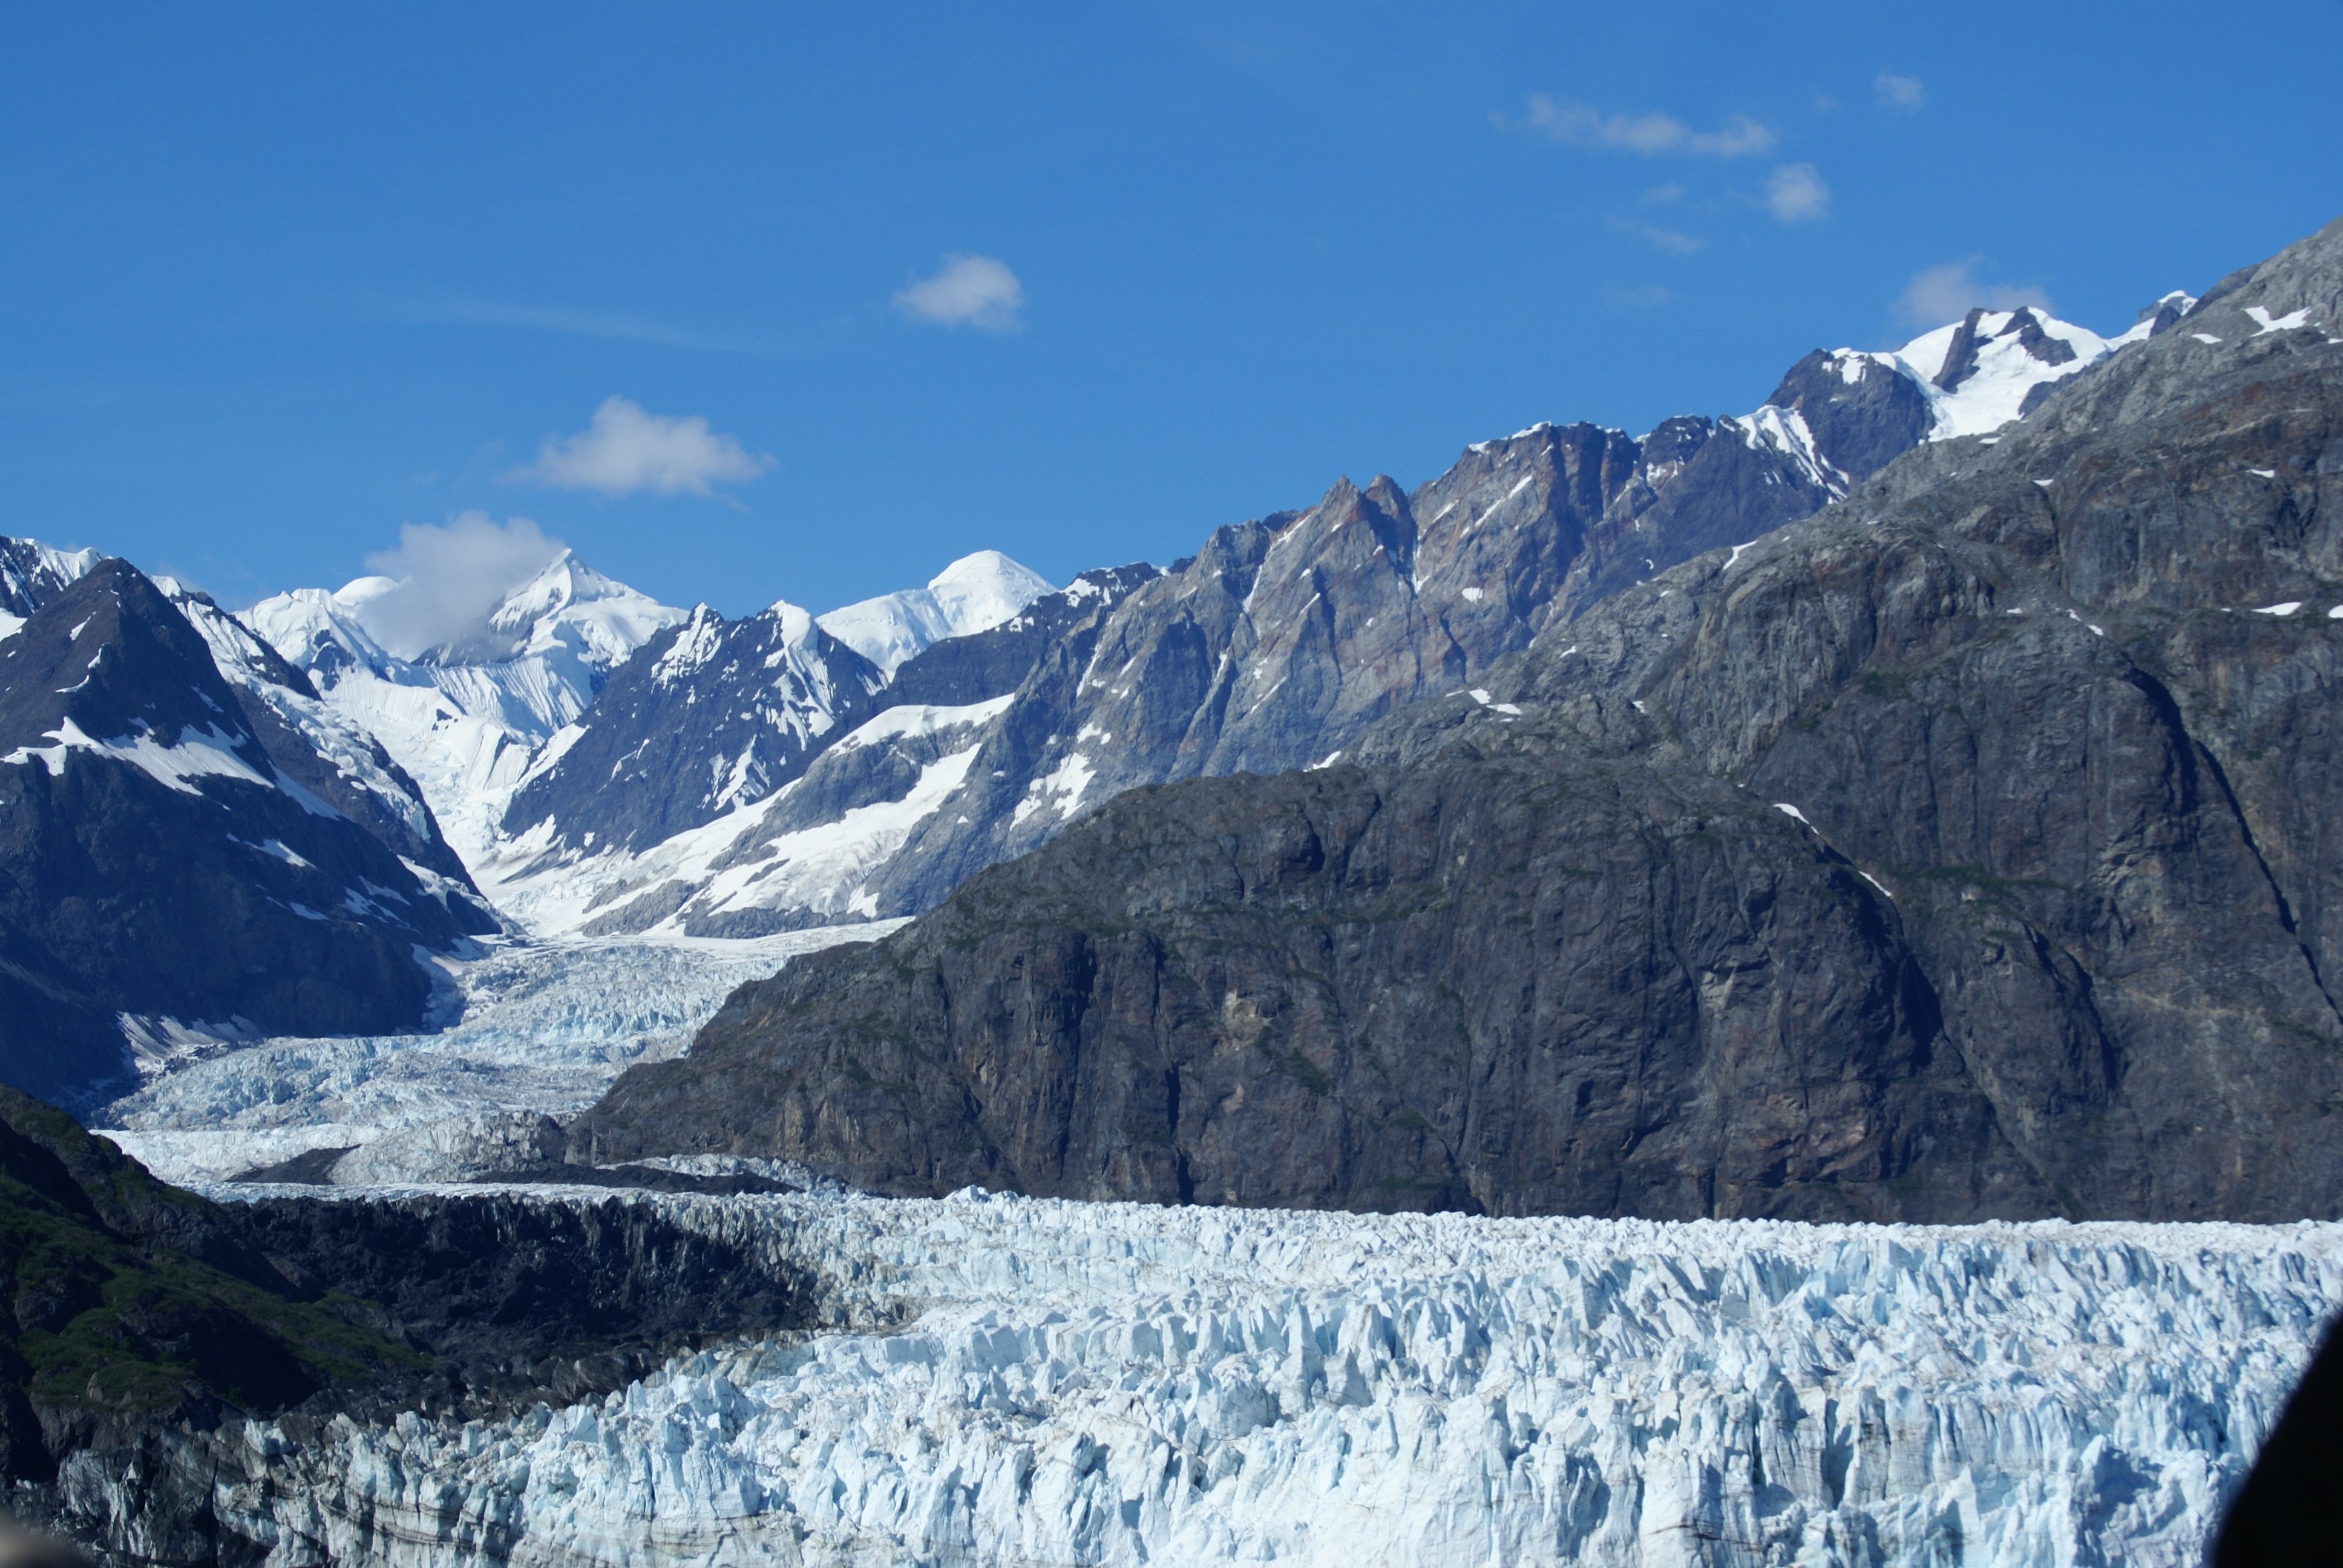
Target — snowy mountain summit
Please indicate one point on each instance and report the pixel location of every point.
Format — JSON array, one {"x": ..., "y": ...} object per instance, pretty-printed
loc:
[
  {"x": 975, "y": 593},
  {"x": 465, "y": 713},
  {"x": 567, "y": 607},
  {"x": 1992, "y": 367}
]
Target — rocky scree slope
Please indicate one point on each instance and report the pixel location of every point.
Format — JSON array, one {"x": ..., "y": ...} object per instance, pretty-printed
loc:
[
  {"x": 1272, "y": 649},
  {"x": 1964, "y": 852},
  {"x": 173, "y": 848}
]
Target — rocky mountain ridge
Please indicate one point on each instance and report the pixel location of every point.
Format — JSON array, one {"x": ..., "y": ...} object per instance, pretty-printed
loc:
[
  {"x": 188, "y": 860},
  {"x": 1962, "y": 851},
  {"x": 1272, "y": 649}
]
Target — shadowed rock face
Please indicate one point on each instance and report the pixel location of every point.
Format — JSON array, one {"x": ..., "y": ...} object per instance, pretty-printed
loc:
[
  {"x": 2051, "y": 930},
  {"x": 139, "y": 1322},
  {"x": 161, "y": 855},
  {"x": 1476, "y": 986}
]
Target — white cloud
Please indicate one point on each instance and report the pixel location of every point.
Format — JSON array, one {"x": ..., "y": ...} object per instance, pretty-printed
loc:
[
  {"x": 1575, "y": 123},
  {"x": 449, "y": 577},
  {"x": 1902, "y": 93},
  {"x": 970, "y": 291},
  {"x": 625, "y": 450},
  {"x": 1947, "y": 292},
  {"x": 1794, "y": 193}
]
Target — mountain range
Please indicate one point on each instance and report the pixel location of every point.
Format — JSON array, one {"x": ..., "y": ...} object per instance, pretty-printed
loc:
[
  {"x": 584, "y": 761},
  {"x": 1964, "y": 850}
]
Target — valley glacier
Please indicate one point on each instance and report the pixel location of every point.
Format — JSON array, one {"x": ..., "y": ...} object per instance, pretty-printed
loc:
[
  {"x": 533, "y": 1030},
  {"x": 1015, "y": 1382}
]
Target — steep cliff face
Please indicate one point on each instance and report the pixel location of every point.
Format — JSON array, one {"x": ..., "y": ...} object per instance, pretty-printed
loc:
[{"x": 1964, "y": 852}]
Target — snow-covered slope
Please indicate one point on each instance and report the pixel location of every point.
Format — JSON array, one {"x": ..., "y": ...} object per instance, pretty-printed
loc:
[
  {"x": 388, "y": 800},
  {"x": 784, "y": 854},
  {"x": 1979, "y": 373},
  {"x": 32, "y": 573},
  {"x": 973, "y": 594},
  {"x": 466, "y": 718},
  {"x": 1057, "y": 1382}
]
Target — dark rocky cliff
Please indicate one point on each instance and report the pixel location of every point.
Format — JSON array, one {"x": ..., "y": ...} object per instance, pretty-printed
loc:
[{"x": 1968, "y": 850}]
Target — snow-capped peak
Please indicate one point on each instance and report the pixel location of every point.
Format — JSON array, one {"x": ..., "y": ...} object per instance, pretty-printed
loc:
[
  {"x": 973, "y": 594},
  {"x": 1978, "y": 370},
  {"x": 568, "y": 605},
  {"x": 318, "y": 631}
]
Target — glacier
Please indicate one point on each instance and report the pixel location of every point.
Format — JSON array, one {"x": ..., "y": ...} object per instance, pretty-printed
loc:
[
  {"x": 1003, "y": 1381},
  {"x": 530, "y": 1030}
]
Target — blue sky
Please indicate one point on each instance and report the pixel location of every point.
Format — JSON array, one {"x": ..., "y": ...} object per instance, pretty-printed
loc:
[{"x": 277, "y": 282}]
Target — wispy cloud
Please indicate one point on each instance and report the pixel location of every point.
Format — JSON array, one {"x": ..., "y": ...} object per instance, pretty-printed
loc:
[
  {"x": 448, "y": 577},
  {"x": 1950, "y": 291},
  {"x": 625, "y": 451},
  {"x": 1902, "y": 93},
  {"x": 1673, "y": 241},
  {"x": 1794, "y": 193},
  {"x": 1651, "y": 134},
  {"x": 1648, "y": 296},
  {"x": 562, "y": 319},
  {"x": 967, "y": 291}
]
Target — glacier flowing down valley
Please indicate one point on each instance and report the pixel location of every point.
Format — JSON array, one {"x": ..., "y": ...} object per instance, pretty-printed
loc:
[
  {"x": 1014, "y": 1381},
  {"x": 535, "y": 1029}
]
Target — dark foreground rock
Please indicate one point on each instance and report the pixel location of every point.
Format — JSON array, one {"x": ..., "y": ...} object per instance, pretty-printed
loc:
[
  {"x": 2286, "y": 1515},
  {"x": 1965, "y": 852},
  {"x": 142, "y": 1323}
]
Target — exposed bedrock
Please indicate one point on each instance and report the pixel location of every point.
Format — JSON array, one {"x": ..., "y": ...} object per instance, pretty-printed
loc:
[{"x": 1968, "y": 850}]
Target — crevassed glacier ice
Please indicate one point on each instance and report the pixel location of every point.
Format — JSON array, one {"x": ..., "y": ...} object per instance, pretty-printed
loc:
[
  {"x": 543, "y": 1028},
  {"x": 1032, "y": 1382}
]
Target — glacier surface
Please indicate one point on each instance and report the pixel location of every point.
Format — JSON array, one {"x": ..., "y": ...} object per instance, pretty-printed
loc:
[
  {"x": 537, "y": 1029},
  {"x": 1011, "y": 1381}
]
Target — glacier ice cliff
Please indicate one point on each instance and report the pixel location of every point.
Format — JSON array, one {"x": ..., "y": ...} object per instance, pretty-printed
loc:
[{"x": 1017, "y": 1381}]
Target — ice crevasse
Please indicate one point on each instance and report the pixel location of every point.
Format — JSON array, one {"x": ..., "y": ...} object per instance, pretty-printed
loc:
[{"x": 1013, "y": 1381}]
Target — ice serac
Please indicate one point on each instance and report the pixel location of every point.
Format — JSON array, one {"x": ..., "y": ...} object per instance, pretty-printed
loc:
[
  {"x": 172, "y": 857},
  {"x": 1964, "y": 850},
  {"x": 973, "y": 594},
  {"x": 1017, "y": 1383}
]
